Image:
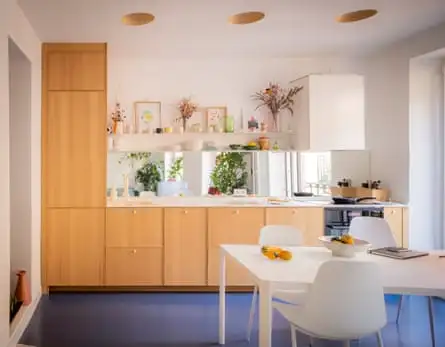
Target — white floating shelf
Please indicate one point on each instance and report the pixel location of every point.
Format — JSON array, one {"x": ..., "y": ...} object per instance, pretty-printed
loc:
[{"x": 177, "y": 142}]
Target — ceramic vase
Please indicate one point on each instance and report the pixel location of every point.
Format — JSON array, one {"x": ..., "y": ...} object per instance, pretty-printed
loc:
[{"x": 22, "y": 291}]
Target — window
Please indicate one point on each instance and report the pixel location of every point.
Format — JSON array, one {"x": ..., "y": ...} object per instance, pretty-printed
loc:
[{"x": 314, "y": 172}]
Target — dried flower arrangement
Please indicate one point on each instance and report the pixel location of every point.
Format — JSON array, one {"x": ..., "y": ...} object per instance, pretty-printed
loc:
[
  {"x": 117, "y": 117},
  {"x": 276, "y": 99},
  {"x": 186, "y": 107}
]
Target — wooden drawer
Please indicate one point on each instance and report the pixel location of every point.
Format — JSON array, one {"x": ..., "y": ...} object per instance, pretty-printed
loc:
[
  {"x": 134, "y": 266},
  {"x": 134, "y": 227}
]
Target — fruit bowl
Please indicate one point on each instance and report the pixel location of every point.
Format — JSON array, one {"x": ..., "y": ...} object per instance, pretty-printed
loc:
[{"x": 345, "y": 250}]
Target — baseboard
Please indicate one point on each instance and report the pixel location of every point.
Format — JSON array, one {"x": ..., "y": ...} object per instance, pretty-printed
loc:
[{"x": 18, "y": 328}]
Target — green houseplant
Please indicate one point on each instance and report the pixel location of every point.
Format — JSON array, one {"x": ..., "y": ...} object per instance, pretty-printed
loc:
[
  {"x": 230, "y": 172},
  {"x": 176, "y": 169},
  {"x": 149, "y": 175}
]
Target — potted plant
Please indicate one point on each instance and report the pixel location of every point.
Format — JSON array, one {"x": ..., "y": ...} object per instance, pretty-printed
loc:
[
  {"x": 176, "y": 170},
  {"x": 186, "y": 107},
  {"x": 229, "y": 172},
  {"x": 276, "y": 99},
  {"x": 149, "y": 175}
]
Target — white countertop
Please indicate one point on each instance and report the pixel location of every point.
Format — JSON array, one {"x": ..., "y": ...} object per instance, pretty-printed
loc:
[{"x": 236, "y": 202}]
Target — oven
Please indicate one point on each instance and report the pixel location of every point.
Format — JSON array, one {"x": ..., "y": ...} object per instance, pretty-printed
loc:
[{"x": 338, "y": 219}]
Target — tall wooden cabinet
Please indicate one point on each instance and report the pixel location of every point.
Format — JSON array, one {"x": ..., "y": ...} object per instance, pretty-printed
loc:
[{"x": 73, "y": 162}]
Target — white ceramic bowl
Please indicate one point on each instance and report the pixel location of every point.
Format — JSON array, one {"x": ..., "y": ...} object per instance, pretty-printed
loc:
[{"x": 343, "y": 250}]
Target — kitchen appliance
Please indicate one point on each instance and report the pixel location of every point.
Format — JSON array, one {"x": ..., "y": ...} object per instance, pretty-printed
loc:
[{"x": 338, "y": 219}]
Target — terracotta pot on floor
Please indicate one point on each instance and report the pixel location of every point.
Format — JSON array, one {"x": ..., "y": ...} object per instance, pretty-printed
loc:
[{"x": 22, "y": 292}]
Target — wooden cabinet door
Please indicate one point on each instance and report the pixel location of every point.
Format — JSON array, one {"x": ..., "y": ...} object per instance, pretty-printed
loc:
[
  {"x": 74, "y": 245},
  {"x": 75, "y": 66},
  {"x": 308, "y": 220},
  {"x": 232, "y": 226},
  {"x": 394, "y": 217},
  {"x": 185, "y": 246},
  {"x": 128, "y": 266},
  {"x": 75, "y": 149},
  {"x": 134, "y": 227}
]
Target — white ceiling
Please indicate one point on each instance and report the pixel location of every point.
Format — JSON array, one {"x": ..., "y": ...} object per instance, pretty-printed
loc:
[{"x": 198, "y": 28}]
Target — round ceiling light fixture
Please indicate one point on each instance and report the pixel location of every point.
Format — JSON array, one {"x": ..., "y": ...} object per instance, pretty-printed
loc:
[
  {"x": 356, "y": 16},
  {"x": 246, "y": 18},
  {"x": 137, "y": 19}
]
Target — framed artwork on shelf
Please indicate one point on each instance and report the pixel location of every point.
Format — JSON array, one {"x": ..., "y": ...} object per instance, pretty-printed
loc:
[
  {"x": 147, "y": 115},
  {"x": 215, "y": 115}
]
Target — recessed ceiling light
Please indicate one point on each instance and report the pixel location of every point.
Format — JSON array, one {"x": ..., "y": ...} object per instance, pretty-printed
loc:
[
  {"x": 246, "y": 17},
  {"x": 356, "y": 16},
  {"x": 136, "y": 19}
]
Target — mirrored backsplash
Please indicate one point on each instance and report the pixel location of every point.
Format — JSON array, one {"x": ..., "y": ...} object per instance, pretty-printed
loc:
[{"x": 260, "y": 173}]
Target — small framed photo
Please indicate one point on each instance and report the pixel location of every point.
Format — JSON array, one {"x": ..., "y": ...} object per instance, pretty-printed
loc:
[
  {"x": 215, "y": 115},
  {"x": 147, "y": 116}
]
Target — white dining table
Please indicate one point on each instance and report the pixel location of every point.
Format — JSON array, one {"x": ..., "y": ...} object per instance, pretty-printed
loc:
[{"x": 419, "y": 276}]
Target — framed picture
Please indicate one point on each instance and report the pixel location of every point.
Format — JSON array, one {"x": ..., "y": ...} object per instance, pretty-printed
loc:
[
  {"x": 147, "y": 115},
  {"x": 215, "y": 115}
]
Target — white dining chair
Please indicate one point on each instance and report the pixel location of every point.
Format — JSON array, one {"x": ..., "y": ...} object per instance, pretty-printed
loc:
[
  {"x": 379, "y": 234},
  {"x": 345, "y": 302},
  {"x": 274, "y": 235}
]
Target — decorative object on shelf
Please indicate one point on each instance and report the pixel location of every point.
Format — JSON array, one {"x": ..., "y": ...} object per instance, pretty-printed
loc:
[
  {"x": 186, "y": 107},
  {"x": 252, "y": 124},
  {"x": 277, "y": 99},
  {"x": 147, "y": 116},
  {"x": 110, "y": 142},
  {"x": 230, "y": 172},
  {"x": 251, "y": 146},
  {"x": 117, "y": 118},
  {"x": 159, "y": 130},
  {"x": 193, "y": 145},
  {"x": 22, "y": 291},
  {"x": 168, "y": 130},
  {"x": 229, "y": 124},
  {"x": 275, "y": 146},
  {"x": 149, "y": 175},
  {"x": 263, "y": 127},
  {"x": 196, "y": 128},
  {"x": 264, "y": 143},
  {"x": 215, "y": 114},
  {"x": 113, "y": 193}
]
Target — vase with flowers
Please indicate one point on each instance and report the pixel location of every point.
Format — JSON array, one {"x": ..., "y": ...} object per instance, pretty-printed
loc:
[
  {"x": 276, "y": 99},
  {"x": 186, "y": 107},
  {"x": 118, "y": 118}
]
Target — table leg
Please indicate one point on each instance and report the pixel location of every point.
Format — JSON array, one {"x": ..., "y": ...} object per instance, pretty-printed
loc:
[
  {"x": 222, "y": 298},
  {"x": 431, "y": 315},
  {"x": 265, "y": 313}
]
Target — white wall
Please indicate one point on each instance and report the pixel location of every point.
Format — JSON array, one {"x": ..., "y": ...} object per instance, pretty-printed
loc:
[
  {"x": 228, "y": 83},
  {"x": 19, "y": 161},
  {"x": 426, "y": 152},
  {"x": 14, "y": 24},
  {"x": 387, "y": 108}
]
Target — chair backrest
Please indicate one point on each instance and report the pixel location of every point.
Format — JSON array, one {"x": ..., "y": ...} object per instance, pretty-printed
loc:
[
  {"x": 280, "y": 235},
  {"x": 346, "y": 300},
  {"x": 374, "y": 230}
]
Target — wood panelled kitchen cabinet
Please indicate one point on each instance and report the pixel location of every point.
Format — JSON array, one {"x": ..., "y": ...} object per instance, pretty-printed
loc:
[
  {"x": 74, "y": 246},
  {"x": 185, "y": 248},
  {"x": 394, "y": 217},
  {"x": 308, "y": 220},
  {"x": 232, "y": 226},
  {"x": 134, "y": 247},
  {"x": 74, "y": 145}
]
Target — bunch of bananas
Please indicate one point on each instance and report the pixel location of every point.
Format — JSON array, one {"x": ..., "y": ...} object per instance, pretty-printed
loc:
[{"x": 273, "y": 253}]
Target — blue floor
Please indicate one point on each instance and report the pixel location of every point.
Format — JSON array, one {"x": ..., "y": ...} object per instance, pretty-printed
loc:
[{"x": 149, "y": 320}]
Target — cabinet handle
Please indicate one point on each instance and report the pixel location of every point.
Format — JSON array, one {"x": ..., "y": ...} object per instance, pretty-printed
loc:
[
  {"x": 294, "y": 211},
  {"x": 236, "y": 212},
  {"x": 134, "y": 211},
  {"x": 185, "y": 211},
  {"x": 133, "y": 251},
  {"x": 393, "y": 211}
]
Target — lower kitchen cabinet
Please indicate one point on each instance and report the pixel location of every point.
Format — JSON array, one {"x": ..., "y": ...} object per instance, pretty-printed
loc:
[
  {"x": 308, "y": 220},
  {"x": 74, "y": 247},
  {"x": 127, "y": 266},
  {"x": 394, "y": 217},
  {"x": 185, "y": 246},
  {"x": 232, "y": 226}
]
